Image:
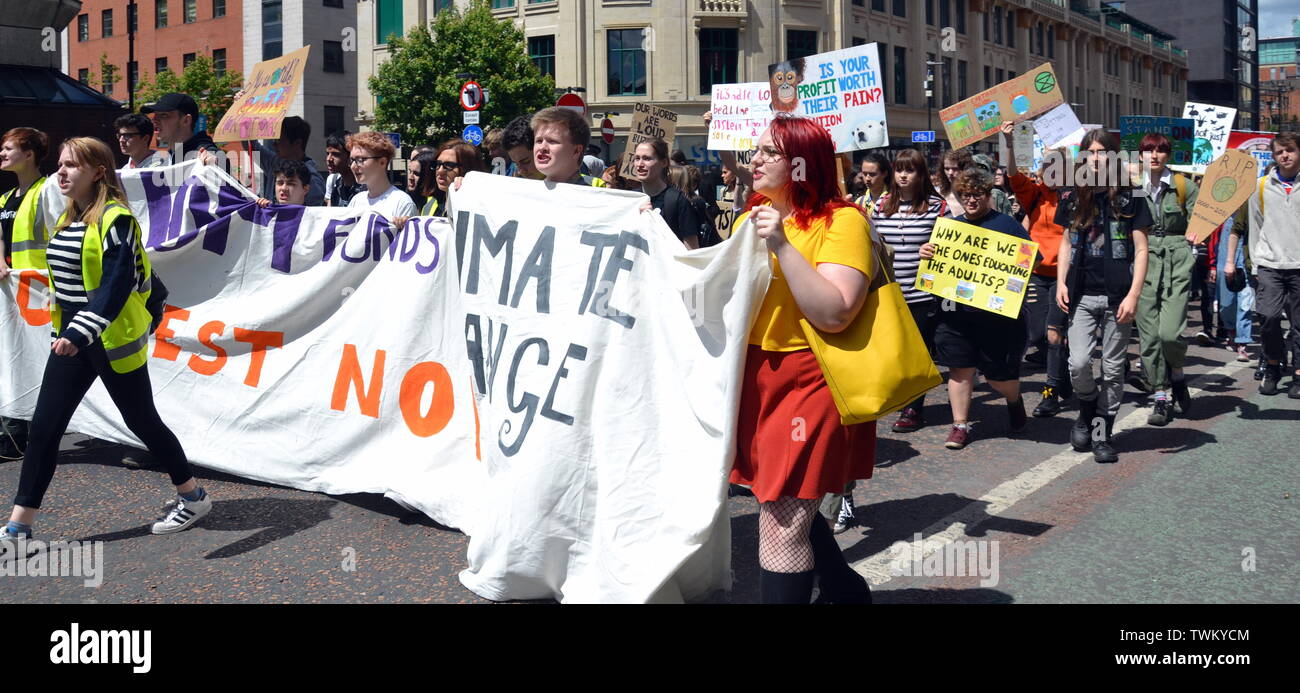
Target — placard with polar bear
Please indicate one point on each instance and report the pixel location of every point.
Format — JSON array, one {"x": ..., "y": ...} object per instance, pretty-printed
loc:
[{"x": 843, "y": 90}]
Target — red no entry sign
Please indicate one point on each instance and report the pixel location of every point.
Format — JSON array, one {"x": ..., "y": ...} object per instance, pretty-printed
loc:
[
  {"x": 607, "y": 131},
  {"x": 471, "y": 96},
  {"x": 573, "y": 102}
]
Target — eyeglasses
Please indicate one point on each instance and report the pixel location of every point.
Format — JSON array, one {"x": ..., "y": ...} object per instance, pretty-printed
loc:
[
  {"x": 363, "y": 159},
  {"x": 447, "y": 165},
  {"x": 972, "y": 195},
  {"x": 768, "y": 153},
  {"x": 128, "y": 135}
]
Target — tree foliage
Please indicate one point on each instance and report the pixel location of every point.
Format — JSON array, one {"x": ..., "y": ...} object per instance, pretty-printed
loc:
[
  {"x": 418, "y": 92},
  {"x": 214, "y": 93}
]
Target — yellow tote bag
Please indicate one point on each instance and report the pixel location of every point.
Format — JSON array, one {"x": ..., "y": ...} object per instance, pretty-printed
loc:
[{"x": 879, "y": 363}]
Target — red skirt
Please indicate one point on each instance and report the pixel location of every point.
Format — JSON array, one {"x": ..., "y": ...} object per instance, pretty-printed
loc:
[{"x": 789, "y": 440}]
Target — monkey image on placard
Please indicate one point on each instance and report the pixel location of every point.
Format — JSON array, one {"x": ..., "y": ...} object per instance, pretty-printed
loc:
[{"x": 785, "y": 77}]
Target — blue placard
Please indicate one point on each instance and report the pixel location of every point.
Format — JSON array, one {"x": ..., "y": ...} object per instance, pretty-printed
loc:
[
  {"x": 922, "y": 135},
  {"x": 396, "y": 139},
  {"x": 472, "y": 134}
]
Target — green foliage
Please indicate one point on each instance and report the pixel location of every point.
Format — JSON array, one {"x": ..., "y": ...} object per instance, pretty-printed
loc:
[
  {"x": 418, "y": 92},
  {"x": 214, "y": 93},
  {"x": 107, "y": 72}
]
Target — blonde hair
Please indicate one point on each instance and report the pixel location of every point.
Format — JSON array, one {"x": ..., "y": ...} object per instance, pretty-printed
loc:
[{"x": 92, "y": 152}]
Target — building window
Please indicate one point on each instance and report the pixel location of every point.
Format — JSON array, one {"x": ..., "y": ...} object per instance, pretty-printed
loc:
[
  {"x": 219, "y": 8},
  {"x": 541, "y": 50},
  {"x": 961, "y": 80},
  {"x": 186, "y": 60},
  {"x": 719, "y": 55},
  {"x": 334, "y": 56},
  {"x": 988, "y": 76},
  {"x": 219, "y": 61},
  {"x": 626, "y": 62},
  {"x": 83, "y": 76},
  {"x": 339, "y": 3},
  {"x": 997, "y": 25},
  {"x": 441, "y": 5},
  {"x": 1042, "y": 40},
  {"x": 333, "y": 119},
  {"x": 985, "y": 15},
  {"x": 502, "y": 4},
  {"x": 106, "y": 18},
  {"x": 272, "y": 29},
  {"x": 1001, "y": 76},
  {"x": 1051, "y": 41},
  {"x": 799, "y": 43},
  {"x": 1011, "y": 28},
  {"x": 900, "y": 8},
  {"x": 960, "y": 10},
  {"x": 159, "y": 64},
  {"x": 131, "y": 25},
  {"x": 947, "y": 77},
  {"x": 878, "y": 5},
  {"x": 191, "y": 11},
  {"x": 945, "y": 17},
  {"x": 900, "y": 75},
  {"x": 160, "y": 14},
  {"x": 388, "y": 19},
  {"x": 83, "y": 27},
  {"x": 107, "y": 81},
  {"x": 929, "y": 11}
]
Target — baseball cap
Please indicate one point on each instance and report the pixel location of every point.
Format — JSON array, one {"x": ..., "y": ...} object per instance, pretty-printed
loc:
[
  {"x": 984, "y": 161},
  {"x": 173, "y": 102}
]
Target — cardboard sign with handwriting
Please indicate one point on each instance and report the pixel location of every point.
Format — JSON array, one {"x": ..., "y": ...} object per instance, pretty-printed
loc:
[
  {"x": 268, "y": 94},
  {"x": 649, "y": 122},
  {"x": 980, "y": 116},
  {"x": 1228, "y": 183}
]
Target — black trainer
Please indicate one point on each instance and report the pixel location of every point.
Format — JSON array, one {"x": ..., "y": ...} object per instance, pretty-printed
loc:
[
  {"x": 1050, "y": 404},
  {"x": 1294, "y": 391},
  {"x": 1081, "y": 431},
  {"x": 1182, "y": 397},
  {"x": 1161, "y": 413},
  {"x": 1103, "y": 451},
  {"x": 1272, "y": 376}
]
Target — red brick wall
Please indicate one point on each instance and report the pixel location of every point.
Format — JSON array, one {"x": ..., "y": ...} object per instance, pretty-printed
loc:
[{"x": 203, "y": 36}]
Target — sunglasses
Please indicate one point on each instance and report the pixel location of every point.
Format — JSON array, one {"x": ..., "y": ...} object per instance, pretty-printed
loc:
[{"x": 447, "y": 166}]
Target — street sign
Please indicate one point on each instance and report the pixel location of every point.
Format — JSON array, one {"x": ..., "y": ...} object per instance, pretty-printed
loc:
[
  {"x": 472, "y": 134},
  {"x": 922, "y": 136},
  {"x": 469, "y": 117},
  {"x": 607, "y": 131},
  {"x": 573, "y": 102},
  {"x": 471, "y": 96},
  {"x": 396, "y": 139}
]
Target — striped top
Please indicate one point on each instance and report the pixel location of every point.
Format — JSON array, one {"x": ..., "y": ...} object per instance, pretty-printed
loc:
[
  {"x": 88, "y": 314},
  {"x": 907, "y": 232}
]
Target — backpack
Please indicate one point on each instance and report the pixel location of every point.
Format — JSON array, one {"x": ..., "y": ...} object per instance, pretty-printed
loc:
[
  {"x": 1180, "y": 186},
  {"x": 708, "y": 231}
]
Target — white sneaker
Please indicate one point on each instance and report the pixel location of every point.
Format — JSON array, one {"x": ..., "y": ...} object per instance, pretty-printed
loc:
[
  {"x": 845, "y": 518},
  {"x": 183, "y": 514}
]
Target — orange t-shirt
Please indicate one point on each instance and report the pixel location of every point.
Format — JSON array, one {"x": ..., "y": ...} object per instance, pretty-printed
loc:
[{"x": 846, "y": 241}]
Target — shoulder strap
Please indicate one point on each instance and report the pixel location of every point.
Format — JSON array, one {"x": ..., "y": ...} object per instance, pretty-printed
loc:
[
  {"x": 1262, "y": 179},
  {"x": 1180, "y": 185}
]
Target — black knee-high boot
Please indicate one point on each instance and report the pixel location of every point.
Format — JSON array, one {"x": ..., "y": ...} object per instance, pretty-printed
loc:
[
  {"x": 785, "y": 588},
  {"x": 840, "y": 584}
]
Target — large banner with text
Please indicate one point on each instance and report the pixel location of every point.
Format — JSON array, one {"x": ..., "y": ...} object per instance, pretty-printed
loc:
[{"x": 561, "y": 387}]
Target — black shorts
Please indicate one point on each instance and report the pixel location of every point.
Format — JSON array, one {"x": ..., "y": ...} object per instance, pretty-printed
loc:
[{"x": 990, "y": 343}]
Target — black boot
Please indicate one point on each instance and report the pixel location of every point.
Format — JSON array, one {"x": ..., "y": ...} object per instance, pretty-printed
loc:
[
  {"x": 840, "y": 584},
  {"x": 785, "y": 588},
  {"x": 1102, "y": 449},
  {"x": 1081, "y": 431}
]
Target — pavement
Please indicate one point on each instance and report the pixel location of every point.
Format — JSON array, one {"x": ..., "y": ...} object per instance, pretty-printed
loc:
[{"x": 1201, "y": 511}]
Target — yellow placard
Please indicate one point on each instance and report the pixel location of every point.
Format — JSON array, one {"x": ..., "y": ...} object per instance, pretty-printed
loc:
[
  {"x": 978, "y": 267},
  {"x": 268, "y": 94},
  {"x": 1227, "y": 185},
  {"x": 980, "y": 116}
]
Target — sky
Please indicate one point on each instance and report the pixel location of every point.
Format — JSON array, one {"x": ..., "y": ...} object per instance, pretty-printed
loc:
[{"x": 1275, "y": 17}]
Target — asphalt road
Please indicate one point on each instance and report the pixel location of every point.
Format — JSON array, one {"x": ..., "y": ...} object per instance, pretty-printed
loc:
[{"x": 1204, "y": 510}]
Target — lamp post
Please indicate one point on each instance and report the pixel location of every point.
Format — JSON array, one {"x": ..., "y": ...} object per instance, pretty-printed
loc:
[
  {"x": 130, "y": 55},
  {"x": 929, "y": 98}
]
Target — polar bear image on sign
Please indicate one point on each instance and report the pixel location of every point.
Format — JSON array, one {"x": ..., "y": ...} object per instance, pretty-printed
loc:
[{"x": 867, "y": 134}]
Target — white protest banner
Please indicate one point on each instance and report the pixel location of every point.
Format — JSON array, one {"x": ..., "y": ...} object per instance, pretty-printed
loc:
[
  {"x": 842, "y": 90},
  {"x": 649, "y": 122},
  {"x": 1059, "y": 127},
  {"x": 740, "y": 114},
  {"x": 1213, "y": 127},
  {"x": 490, "y": 372}
]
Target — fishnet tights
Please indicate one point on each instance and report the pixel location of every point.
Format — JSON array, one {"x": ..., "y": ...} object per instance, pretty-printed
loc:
[{"x": 783, "y": 524}]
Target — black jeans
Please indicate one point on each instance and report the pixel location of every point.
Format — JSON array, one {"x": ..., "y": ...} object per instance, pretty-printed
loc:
[
  {"x": 64, "y": 385},
  {"x": 925, "y": 314},
  {"x": 1041, "y": 313},
  {"x": 1201, "y": 286},
  {"x": 1279, "y": 290}
]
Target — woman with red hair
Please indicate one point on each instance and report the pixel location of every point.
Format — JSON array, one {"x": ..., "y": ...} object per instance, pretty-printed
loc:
[{"x": 791, "y": 448}]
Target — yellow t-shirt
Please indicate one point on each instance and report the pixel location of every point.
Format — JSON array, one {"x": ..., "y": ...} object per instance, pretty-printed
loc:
[{"x": 847, "y": 241}]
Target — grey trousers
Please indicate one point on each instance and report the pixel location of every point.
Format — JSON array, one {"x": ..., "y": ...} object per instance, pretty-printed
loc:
[{"x": 1094, "y": 313}]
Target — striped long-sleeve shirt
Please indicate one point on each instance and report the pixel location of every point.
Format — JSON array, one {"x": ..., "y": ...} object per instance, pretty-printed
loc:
[
  {"x": 87, "y": 315},
  {"x": 907, "y": 232}
]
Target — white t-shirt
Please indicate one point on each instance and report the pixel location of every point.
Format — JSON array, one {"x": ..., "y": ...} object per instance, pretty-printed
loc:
[{"x": 391, "y": 204}]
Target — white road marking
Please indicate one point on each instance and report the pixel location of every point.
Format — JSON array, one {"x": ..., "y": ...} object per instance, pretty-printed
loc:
[{"x": 876, "y": 567}]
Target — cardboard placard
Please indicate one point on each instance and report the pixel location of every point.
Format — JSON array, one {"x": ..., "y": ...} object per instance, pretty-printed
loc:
[
  {"x": 649, "y": 122},
  {"x": 268, "y": 93},
  {"x": 1228, "y": 184},
  {"x": 978, "y": 117},
  {"x": 1028, "y": 154},
  {"x": 1180, "y": 131},
  {"x": 978, "y": 267},
  {"x": 842, "y": 90},
  {"x": 1213, "y": 126},
  {"x": 740, "y": 114}
]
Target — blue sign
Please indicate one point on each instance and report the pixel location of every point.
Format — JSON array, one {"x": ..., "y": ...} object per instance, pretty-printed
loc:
[
  {"x": 472, "y": 134},
  {"x": 202, "y": 124},
  {"x": 396, "y": 139},
  {"x": 922, "y": 136}
]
